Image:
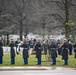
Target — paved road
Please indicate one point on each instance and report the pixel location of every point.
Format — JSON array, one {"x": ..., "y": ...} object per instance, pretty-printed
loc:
[{"x": 39, "y": 72}]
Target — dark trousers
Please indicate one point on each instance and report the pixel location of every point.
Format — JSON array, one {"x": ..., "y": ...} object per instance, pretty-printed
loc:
[
  {"x": 25, "y": 60},
  {"x": 54, "y": 60},
  {"x": 65, "y": 62},
  {"x": 39, "y": 61},
  {"x": 16, "y": 49},
  {"x": 59, "y": 52},
  {"x": 12, "y": 60},
  {"x": 45, "y": 51},
  {"x": 75, "y": 54},
  {"x": 70, "y": 52},
  {"x": 1, "y": 61}
]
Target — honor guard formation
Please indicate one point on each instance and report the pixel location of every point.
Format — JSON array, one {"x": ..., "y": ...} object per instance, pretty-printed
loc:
[{"x": 53, "y": 47}]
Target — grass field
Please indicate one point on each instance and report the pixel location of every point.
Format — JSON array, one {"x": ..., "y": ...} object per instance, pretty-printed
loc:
[{"x": 32, "y": 61}]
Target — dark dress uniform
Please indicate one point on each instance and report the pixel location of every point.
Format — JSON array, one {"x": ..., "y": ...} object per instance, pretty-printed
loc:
[
  {"x": 65, "y": 53},
  {"x": 53, "y": 53},
  {"x": 25, "y": 52},
  {"x": 75, "y": 49},
  {"x": 12, "y": 52},
  {"x": 1, "y": 52},
  {"x": 38, "y": 49},
  {"x": 70, "y": 49},
  {"x": 31, "y": 44},
  {"x": 59, "y": 49}
]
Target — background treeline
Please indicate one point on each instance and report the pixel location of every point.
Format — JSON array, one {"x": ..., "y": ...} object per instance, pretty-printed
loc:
[{"x": 37, "y": 16}]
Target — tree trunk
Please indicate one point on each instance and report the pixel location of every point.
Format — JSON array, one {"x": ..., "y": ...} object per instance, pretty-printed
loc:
[
  {"x": 7, "y": 39},
  {"x": 67, "y": 18},
  {"x": 21, "y": 28},
  {"x": 21, "y": 31},
  {"x": 43, "y": 30},
  {"x": 26, "y": 31},
  {"x": 4, "y": 41}
]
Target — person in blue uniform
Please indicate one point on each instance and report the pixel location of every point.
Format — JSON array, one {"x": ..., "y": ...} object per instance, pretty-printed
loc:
[
  {"x": 1, "y": 52},
  {"x": 38, "y": 49},
  {"x": 25, "y": 52},
  {"x": 53, "y": 52},
  {"x": 65, "y": 52},
  {"x": 12, "y": 51},
  {"x": 70, "y": 47},
  {"x": 75, "y": 50}
]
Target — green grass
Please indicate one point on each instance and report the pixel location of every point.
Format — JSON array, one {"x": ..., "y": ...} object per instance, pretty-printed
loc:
[{"x": 32, "y": 61}]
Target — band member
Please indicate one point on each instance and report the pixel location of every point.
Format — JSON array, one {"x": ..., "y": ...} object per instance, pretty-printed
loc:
[
  {"x": 31, "y": 46},
  {"x": 70, "y": 47},
  {"x": 38, "y": 49},
  {"x": 1, "y": 52},
  {"x": 34, "y": 40},
  {"x": 16, "y": 44},
  {"x": 75, "y": 50},
  {"x": 25, "y": 52},
  {"x": 45, "y": 47},
  {"x": 28, "y": 42},
  {"x": 53, "y": 52},
  {"x": 65, "y": 52},
  {"x": 12, "y": 52},
  {"x": 59, "y": 48}
]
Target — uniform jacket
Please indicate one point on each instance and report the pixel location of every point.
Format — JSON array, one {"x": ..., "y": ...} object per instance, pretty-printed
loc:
[
  {"x": 53, "y": 51},
  {"x": 38, "y": 49},
  {"x": 1, "y": 49},
  {"x": 12, "y": 50},
  {"x": 65, "y": 51},
  {"x": 25, "y": 50},
  {"x": 70, "y": 47},
  {"x": 74, "y": 47}
]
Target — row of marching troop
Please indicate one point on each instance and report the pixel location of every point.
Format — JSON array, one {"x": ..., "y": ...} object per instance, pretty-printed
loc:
[{"x": 54, "y": 48}]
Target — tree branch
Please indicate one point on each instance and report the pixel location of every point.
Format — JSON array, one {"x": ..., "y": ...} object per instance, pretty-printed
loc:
[
  {"x": 16, "y": 6},
  {"x": 60, "y": 4},
  {"x": 57, "y": 16},
  {"x": 11, "y": 21}
]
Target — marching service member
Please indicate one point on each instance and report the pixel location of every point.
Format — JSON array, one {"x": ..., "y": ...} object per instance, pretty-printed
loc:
[
  {"x": 25, "y": 51},
  {"x": 65, "y": 52},
  {"x": 38, "y": 49},
  {"x": 1, "y": 51},
  {"x": 12, "y": 51}
]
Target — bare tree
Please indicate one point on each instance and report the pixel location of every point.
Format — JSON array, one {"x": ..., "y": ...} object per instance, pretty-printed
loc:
[
  {"x": 18, "y": 10},
  {"x": 38, "y": 16},
  {"x": 65, "y": 6},
  {"x": 41, "y": 14}
]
